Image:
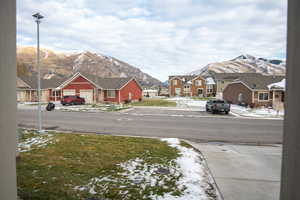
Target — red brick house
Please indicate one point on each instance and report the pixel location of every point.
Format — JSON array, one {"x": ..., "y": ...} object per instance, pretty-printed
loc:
[
  {"x": 253, "y": 90},
  {"x": 94, "y": 89},
  {"x": 190, "y": 85}
]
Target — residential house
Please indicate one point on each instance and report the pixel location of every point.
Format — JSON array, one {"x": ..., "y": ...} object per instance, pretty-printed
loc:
[
  {"x": 93, "y": 88},
  {"x": 278, "y": 93},
  {"x": 27, "y": 87},
  {"x": 189, "y": 85},
  {"x": 253, "y": 90},
  {"x": 222, "y": 79}
]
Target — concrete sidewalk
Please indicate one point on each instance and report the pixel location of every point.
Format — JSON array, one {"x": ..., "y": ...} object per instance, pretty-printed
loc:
[{"x": 244, "y": 172}]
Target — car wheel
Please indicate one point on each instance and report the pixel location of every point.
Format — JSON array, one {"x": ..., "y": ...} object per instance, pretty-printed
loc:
[
  {"x": 214, "y": 112},
  {"x": 226, "y": 112},
  {"x": 207, "y": 110}
]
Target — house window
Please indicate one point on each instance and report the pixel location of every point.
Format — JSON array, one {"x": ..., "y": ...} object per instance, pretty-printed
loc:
[
  {"x": 209, "y": 89},
  {"x": 111, "y": 93},
  {"x": 198, "y": 82},
  {"x": 264, "y": 96},
  {"x": 174, "y": 82},
  {"x": 187, "y": 88}
]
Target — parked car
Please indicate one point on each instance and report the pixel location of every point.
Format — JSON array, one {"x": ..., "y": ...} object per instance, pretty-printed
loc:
[
  {"x": 217, "y": 105},
  {"x": 72, "y": 100}
]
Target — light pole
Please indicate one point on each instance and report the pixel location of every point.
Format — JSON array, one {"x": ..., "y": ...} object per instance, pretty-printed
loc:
[{"x": 38, "y": 18}]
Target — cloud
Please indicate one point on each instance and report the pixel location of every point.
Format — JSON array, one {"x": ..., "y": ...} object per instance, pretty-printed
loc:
[{"x": 160, "y": 37}]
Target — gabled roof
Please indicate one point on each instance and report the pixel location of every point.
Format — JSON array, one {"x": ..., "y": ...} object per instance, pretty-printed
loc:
[
  {"x": 185, "y": 78},
  {"x": 259, "y": 82},
  {"x": 102, "y": 83},
  {"x": 32, "y": 82}
]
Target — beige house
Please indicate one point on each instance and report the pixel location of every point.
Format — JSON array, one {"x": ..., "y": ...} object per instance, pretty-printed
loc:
[{"x": 27, "y": 87}]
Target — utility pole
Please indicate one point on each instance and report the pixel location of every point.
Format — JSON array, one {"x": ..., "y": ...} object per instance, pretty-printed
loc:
[{"x": 38, "y": 18}]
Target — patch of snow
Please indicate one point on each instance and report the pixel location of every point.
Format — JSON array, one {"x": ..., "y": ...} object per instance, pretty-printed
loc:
[
  {"x": 189, "y": 103},
  {"x": 194, "y": 175},
  {"x": 280, "y": 85},
  {"x": 256, "y": 112},
  {"x": 191, "y": 175},
  {"x": 210, "y": 81},
  {"x": 123, "y": 75},
  {"x": 37, "y": 141}
]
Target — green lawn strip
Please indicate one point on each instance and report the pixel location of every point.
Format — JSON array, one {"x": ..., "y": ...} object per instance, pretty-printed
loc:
[
  {"x": 155, "y": 102},
  {"x": 75, "y": 160}
]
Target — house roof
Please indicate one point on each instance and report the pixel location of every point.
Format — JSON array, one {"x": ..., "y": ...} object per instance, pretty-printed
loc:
[
  {"x": 186, "y": 79},
  {"x": 260, "y": 82},
  {"x": 234, "y": 76},
  {"x": 104, "y": 83},
  {"x": 108, "y": 83},
  {"x": 32, "y": 82},
  {"x": 210, "y": 81}
]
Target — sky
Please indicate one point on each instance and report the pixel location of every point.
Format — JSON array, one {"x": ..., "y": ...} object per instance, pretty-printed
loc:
[{"x": 161, "y": 37}]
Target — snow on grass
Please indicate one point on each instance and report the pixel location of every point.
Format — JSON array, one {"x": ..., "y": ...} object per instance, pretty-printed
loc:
[
  {"x": 184, "y": 178},
  {"x": 35, "y": 141},
  {"x": 256, "y": 112},
  {"x": 187, "y": 102},
  {"x": 195, "y": 177}
]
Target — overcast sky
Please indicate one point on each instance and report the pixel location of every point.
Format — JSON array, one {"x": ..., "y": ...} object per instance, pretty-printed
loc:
[{"x": 161, "y": 37}]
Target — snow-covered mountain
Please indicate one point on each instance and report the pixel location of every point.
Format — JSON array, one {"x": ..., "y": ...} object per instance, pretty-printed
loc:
[
  {"x": 245, "y": 64},
  {"x": 64, "y": 64}
]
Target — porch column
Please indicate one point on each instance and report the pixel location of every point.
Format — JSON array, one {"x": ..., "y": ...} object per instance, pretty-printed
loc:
[
  {"x": 8, "y": 109},
  {"x": 290, "y": 177}
]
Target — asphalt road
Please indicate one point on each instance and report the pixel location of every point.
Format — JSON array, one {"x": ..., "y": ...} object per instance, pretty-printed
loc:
[{"x": 191, "y": 125}]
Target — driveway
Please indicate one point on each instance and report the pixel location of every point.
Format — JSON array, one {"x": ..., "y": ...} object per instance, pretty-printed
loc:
[{"x": 244, "y": 172}]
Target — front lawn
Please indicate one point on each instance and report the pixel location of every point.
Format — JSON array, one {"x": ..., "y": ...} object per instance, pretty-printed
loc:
[
  {"x": 79, "y": 166},
  {"x": 155, "y": 102}
]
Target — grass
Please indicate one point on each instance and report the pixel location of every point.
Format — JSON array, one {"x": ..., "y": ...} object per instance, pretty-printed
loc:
[
  {"x": 66, "y": 167},
  {"x": 155, "y": 102}
]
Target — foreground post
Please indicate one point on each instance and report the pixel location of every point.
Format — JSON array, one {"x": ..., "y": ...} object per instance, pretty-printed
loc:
[
  {"x": 8, "y": 130},
  {"x": 290, "y": 178},
  {"x": 38, "y": 18}
]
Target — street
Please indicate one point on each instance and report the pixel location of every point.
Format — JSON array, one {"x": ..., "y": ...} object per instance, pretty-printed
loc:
[{"x": 195, "y": 126}]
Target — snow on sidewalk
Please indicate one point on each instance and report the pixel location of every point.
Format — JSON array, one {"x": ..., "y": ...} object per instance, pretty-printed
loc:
[{"x": 256, "y": 112}]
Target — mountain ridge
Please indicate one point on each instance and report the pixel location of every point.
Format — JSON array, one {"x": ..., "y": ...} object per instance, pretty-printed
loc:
[
  {"x": 65, "y": 64},
  {"x": 245, "y": 64}
]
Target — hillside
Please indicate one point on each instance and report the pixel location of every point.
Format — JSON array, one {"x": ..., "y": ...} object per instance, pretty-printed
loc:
[
  {"x": 63, "y": 64},
  {"x": 245, "y": 64}
]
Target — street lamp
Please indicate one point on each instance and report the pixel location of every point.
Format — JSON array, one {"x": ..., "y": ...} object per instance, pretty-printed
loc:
[{"x": 38, "y": 18}]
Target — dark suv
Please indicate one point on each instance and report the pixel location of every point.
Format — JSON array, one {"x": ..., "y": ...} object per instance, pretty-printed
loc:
[
  {"x": 217, "y": 105},
  {"x": 72, "y": 100}
]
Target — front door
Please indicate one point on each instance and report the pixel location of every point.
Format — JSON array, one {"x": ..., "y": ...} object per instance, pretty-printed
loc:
[
  {"x": 200, "y": 92},
  {"x": 177, "y": 91}
]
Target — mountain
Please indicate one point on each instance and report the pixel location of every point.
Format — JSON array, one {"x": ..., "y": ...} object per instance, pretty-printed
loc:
[
  {"x": 245, "y": 64},
  {"x": 63, "y": 64}
]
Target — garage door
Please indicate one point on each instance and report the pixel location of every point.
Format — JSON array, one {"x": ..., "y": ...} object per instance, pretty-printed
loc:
[
  {"x": 87, "y": 95},
  {"x": 68, "y": 92}
]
